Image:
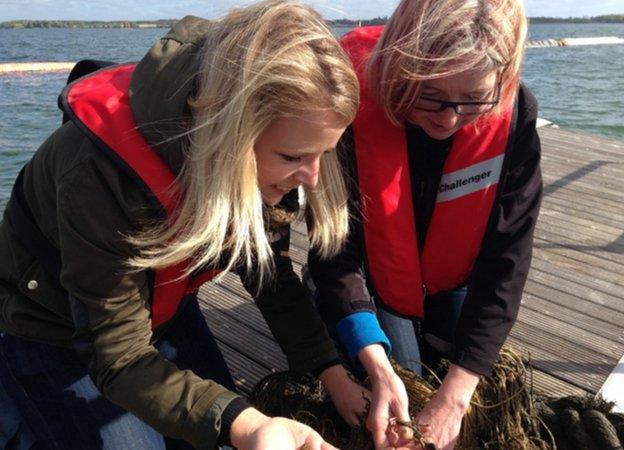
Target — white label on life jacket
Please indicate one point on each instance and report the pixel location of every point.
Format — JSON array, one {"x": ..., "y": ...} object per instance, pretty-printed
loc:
[{"x": 471, "y": 179}]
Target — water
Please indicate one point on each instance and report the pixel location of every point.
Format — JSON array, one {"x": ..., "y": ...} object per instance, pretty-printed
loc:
[{"x": 577, "y": 87}]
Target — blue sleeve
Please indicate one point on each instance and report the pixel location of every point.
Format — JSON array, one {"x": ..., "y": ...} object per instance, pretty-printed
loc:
[{"x": 360, "y": 329}]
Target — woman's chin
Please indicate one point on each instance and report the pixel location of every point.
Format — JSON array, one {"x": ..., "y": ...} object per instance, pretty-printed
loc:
[
  {"x": 438, "y": 133},
  {"x": 271, "y": 199}
]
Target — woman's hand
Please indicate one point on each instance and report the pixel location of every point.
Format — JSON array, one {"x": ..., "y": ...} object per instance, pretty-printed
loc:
[
  {"x": 350, "y": 399},
  {"x": 442, "y": 416},
  {"x": 389, "y": 399},
  {"x": 252, "y": 430}
]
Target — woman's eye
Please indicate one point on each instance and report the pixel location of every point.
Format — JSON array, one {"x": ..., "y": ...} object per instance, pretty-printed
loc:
[
  {"x": 290, "y": 158},
  {"x": 481, "y": 97}
]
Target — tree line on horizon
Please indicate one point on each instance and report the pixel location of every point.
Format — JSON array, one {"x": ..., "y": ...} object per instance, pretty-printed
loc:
[
  {"x": 167, "y": 23},
  {"x": 610, "y": 18}
]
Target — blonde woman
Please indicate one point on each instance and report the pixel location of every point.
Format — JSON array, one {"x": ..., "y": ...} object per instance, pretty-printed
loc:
[
  {"x": 446, "y": 157},
  {"x": 170, "y": 172}
]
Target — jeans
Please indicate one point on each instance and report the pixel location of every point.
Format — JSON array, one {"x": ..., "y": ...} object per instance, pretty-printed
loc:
[
  {"x": 53, "y": 401},
  {"x": 414, "y": 341},
  {"x": 428, "y": 340},
  {"x": 402, "y": 335}
]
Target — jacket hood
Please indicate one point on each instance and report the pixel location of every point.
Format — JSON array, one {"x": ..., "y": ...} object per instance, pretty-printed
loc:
[{"x": 161, "y": 85}]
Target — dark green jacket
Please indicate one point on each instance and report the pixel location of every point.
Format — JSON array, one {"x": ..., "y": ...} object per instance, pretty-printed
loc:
[{"x": 84, "y": 205}]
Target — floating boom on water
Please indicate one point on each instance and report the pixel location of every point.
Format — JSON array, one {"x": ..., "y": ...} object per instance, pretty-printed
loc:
[
  {"x": 604, "y": 40},
  {"x": 35, "y": 66}
]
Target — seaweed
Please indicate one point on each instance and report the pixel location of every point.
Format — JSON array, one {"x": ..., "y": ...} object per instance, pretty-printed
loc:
[{"x": 502, "y": 414}]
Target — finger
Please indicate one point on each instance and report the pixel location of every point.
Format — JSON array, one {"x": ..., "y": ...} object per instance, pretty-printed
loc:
[
  {"x": 327, "y": 446},
  {"x": 400, "y": 409},
  {"x": 378, "y": 430},
  {"x": 353, "y": 420},
  {"x": 400, "y": 433},
  {"x": 377, "y": 424},
  {"x": 405, "y": 433},
  {"x": 316, "y": 442},
  {"x": 391, "y": 436}
]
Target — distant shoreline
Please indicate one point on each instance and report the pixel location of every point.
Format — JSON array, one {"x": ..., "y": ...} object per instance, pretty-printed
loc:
[{"x": 167, "y": 23}]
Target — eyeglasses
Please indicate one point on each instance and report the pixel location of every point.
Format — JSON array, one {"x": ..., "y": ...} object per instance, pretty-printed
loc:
[{"x": 460, "y": 108}]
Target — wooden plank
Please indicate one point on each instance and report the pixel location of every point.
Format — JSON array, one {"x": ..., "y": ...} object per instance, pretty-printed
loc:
[
  {"x": 554, "y": 203},
  {"x": 545, "y": 384},
  {"x": 601, "y": 175},
  {"x": 577, "y": 258},
  {"x": 572, "y": 153},
  {"x": 604, "y": 173},
  {"x": 234, "y": 306},
  {"x": 572, "y": 335},
  {"x": 560, "y": 240},
  {"x": 558, "y": 236},
  {"x": 245, "y": 372},
  {"x": 606, "y": 196},
  {"x": 576, "y": 289},
  {"x": 587, "y": 227},
  {"x": 582, "y": 267},
  {"x": 563, "y": 230},
  {"x": 246, "y": 341},
  {"x": 574, "y": 203},
  {"x": 566, "y": 220},
  {"x": 598, "y": 145},
  {"x": 575, "y": 367},
  {"x": 545, "y": 296},
  {"x": 300, "y": 227},
  {"x": 576, "y": 318},
  {"x": 581, "y": 154},
  {"x": 566, "y": 191},
  {"x": 604, "y": 184},
  {"x": 581, "y": 281},
  {"x": 299, "y": 250},
  {"x": 544, "y": 249}
]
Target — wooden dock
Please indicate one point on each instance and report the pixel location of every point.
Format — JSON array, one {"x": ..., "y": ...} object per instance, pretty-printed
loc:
[{"x": 571, "y": 322}]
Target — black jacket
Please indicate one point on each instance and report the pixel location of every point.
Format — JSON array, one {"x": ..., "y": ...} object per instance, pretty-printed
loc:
[{"x": 499, "y": 274}]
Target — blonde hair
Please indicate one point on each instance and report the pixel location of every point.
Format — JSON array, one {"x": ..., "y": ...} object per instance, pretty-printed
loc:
[
  {"x": 431, "y": 39},
  {"x": 260, "y": 63}
]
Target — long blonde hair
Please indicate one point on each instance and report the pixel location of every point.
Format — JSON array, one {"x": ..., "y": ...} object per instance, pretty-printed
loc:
[
  {"x": 260, "y": 63},
  {"x": 431, "y": 39}
]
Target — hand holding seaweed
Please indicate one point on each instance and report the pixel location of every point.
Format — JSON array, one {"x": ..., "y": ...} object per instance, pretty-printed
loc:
[
  {"x": 351, "y": 400},
  {"x": 447, "y": 407},
  {"x": 418, "y": 432},
  {"x": 389, "y": 398}
]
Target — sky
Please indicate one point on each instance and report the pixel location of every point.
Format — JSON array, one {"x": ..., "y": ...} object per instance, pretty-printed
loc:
[{"x": 330, "y": 9}]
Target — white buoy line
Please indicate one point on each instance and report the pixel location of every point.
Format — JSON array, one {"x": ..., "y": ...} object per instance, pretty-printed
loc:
[{"x": 569, "y": 42}]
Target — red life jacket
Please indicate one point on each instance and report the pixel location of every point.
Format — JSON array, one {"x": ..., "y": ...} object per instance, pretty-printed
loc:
[
  {"x": 401, "y": 277},
  {"x": 100, "y": 105}
]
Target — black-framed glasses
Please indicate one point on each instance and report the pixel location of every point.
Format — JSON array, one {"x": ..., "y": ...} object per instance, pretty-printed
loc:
[{"x": 461, "y": 108}]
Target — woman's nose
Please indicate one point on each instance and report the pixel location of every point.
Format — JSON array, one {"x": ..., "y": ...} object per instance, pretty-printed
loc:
[
  {"x": 448, "y": 117},
  {"x": 308, "y": 174}
]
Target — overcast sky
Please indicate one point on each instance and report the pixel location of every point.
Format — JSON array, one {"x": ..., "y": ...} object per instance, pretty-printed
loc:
[{"x": 330, "y": 9}]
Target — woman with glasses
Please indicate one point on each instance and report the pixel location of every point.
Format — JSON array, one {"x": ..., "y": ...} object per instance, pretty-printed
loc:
[{"x": 444, "y": 158}]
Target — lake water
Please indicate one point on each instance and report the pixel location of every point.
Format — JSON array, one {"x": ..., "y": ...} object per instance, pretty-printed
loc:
[{"x": 577, "y": 87}]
